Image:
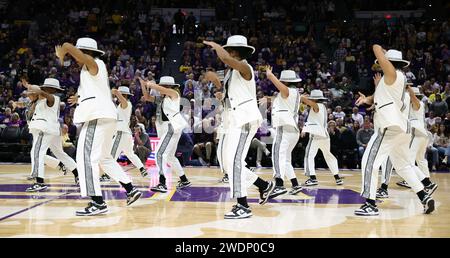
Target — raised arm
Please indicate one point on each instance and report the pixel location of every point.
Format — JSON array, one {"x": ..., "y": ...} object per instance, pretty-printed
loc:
[
  {"x": 83, "y": 59},
  {"x": 173, "y": 94},
  {"x": 241, "y": 66},
  {"x": 390, "y": 74},
  {"x": 312, "y": 104},
  {"x": 147, "y": 96},
  {"x": 36, "y": 89},
  {"x": 214, "y": 78},
  {"x": 414, "y": 100},
  {"x": 284, "y": 90},
  {"x": 123, "y": 101}
]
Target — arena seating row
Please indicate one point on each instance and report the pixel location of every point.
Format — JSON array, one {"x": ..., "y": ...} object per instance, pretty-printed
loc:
[{"x": 13, "y": 144}]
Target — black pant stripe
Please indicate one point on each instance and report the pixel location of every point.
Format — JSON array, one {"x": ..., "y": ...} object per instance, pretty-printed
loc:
[
  {"x": 162, "y": 149},
  {"x": 88, "y": 143},
  {"x": 388, "y": 172},
  {"x": 221, "y": 152},
  {"x": 373, "y": 152},
  {"x": 116, "y": 144},
  {"x": 276, "y": 152},
  {"x": 308, "y": 147},
  {"x": 237, "y": 163},
  {"x": 37, "y": 150}
]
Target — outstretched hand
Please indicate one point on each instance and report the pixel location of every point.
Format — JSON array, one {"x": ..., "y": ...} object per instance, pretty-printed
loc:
[
  {"x": 72, "y": 100},
  {"x": 268, "y": 69},
  {"x": 377, "y": 79},
  {"x": 362, "y": 100},
  {"x": 211, "y": 44},
  {"x": 60, "y": 54}
]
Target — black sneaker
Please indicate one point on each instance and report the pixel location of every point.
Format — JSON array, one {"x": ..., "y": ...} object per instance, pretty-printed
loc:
[
  {"x": 144, "y": 172},
  {"x": 339, "y": 181},
  {"x": 431, "y": 188},
  {"x": 382, "y": 194},
  {"x": 133, "y": 196},
  {"x": 367, "y": 210},
  {"x": 279, "y": 190},
  {"x": 264, "y": 195},
  {"x": 238, "y": 212},
  {"x": 62, "y": 168},
  {"x": 295, "y": 190},
  {"x": 428, "y": 205},
  {"x": 93, "y": 209},
  {"x": 182, "y": 185},
  {"x": 160, "y": 188},
  {"x": 403, "y": 184},
  {"x": 105, "y": 178},
  {"x": 311, "y": 182},
  {"x": 225, "y": 179},
  {"x": 36, "y": 187}
]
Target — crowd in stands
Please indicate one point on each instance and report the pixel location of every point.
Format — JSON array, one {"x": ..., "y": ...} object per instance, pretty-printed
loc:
[{"x": 136, "y": 44}]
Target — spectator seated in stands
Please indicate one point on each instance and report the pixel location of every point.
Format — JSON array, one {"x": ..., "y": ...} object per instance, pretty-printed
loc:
[{"x": 142, "y": 146}]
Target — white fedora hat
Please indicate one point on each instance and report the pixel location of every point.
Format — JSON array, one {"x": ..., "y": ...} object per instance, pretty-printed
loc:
[
  {"x": 168, "y": 81},
  {"x": 316, "y": 94},
  {"x": 238, "y": 41},
  {"x": 52, "y": 83},
  {"x": 125, "y": 90},
  {"x": 395, "y": 56},
  {"x": 289, "y": 76},
  {"x": 88, "y": 44},
  {"x": 416, "y": 91}
]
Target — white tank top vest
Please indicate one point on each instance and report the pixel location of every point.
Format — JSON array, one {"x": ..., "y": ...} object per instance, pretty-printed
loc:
[
  {"x": 241, "y": 107},
  {"x": 417, "y": 119},
  {"x": 123, "y": 120},
  {"x": 285, "y": 110},
  {"x": 95, "y": 100},
  {"x": 317, "y": 123},
  {"x": 392, "y": 104},
  {"x": 171, "y": 108},
  {"x": 45, "y": 118}
]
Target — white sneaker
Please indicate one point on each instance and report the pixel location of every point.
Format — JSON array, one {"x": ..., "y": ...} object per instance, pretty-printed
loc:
[
  {"x": 238, "y": 212},
  {"x": 267, "y": 152},
  {"x": 258, "y": 165}
]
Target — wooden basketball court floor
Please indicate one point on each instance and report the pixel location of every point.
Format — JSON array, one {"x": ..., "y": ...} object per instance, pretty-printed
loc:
[{"x": 322, "y": 211}]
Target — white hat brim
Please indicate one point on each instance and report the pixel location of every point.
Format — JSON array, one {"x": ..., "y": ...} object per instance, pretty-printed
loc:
[
  {"x": 126, "y": 93},
  {"x": 291, "y": 80},
  {"x": 240, "y": 46},
  {"x": 169, "y": 84},
  {"x": 91, "y": 49},
  {"x": 52, "y": 87},
  {"x": 396, "y": 60},
  {"x": 317, "y": 98}
]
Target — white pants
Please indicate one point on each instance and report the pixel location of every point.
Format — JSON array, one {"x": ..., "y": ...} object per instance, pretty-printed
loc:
[
  {"x": 286, "y": 137},
  {"x": 393, "y": 143},
  {"x": 315, "y": 143},
  {"x": 41, "y": 143},
  {"x": 93, "y": 152},
  {"x": 418, "y": 148},
  {"x": 123, "y": 142},
  {"x": 166, "y": 149},
  {"x": 219, "y": 153},
  {"x": 235, "y": 148}
]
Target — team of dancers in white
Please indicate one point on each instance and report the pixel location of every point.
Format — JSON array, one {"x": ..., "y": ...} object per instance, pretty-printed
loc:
[{"x": 400, "y": 139}]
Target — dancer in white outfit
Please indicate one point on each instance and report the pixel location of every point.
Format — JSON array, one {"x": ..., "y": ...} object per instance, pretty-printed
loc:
[
  {"x": 420, "y": 138},
  {"x": 171, "y": 124},
  {"x": 392, "y": 135},
  {"x": 285, "y": 121},
  {"x": 96, "y": 111},
  {"x": 46, "y": 131},
  {"x": 123, "y": 140},
  {"x": 241, "y": 119},
  {"x": 319, "y": 138}
]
